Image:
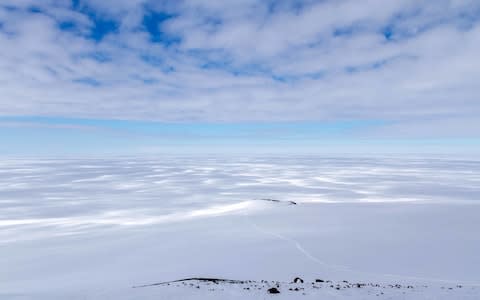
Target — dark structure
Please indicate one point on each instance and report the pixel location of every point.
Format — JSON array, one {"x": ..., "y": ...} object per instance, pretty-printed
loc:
[{"x": 298, "y": 280}]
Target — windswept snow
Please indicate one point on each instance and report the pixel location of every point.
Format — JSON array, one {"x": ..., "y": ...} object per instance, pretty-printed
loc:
[{"x": 93, "y": 228}]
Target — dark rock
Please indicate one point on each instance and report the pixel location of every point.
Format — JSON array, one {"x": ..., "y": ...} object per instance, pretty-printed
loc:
[
  {"x": 319, "y": 280},
  {"x": 271, "y": 200},
  {"x": 273, "y": 290}
]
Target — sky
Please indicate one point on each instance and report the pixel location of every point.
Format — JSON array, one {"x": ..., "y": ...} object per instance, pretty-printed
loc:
[{"x": 88, "y": 77}]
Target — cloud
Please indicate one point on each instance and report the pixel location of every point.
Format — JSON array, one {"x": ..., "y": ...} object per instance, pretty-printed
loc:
[{"x": 213, "y": 61}]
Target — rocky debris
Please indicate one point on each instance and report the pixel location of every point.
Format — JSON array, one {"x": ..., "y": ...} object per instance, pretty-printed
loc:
[
  {"x": 296, "y": 286},
  {"x": 273, "y": 290}
]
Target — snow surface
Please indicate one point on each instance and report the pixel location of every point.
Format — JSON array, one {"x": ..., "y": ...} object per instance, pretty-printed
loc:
[{"x": 94, "y": 228}]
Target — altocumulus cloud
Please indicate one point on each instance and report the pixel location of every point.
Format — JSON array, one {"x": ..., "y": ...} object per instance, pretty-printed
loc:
[{"x": 411, "y": 63}]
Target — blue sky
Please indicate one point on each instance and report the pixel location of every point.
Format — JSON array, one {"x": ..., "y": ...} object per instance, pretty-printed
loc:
[{"x": 131, "y": 77}]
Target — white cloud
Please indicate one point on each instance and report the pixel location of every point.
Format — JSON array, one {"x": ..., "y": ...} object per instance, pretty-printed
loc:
[{"x": 263, "y": 63}]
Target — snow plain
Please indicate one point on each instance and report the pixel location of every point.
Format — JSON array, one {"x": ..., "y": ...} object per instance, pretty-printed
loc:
[{"x": 94, "y": 228}]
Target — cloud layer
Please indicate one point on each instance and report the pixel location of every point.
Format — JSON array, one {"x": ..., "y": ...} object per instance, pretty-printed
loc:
[{"x": 408, "y": 62}]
